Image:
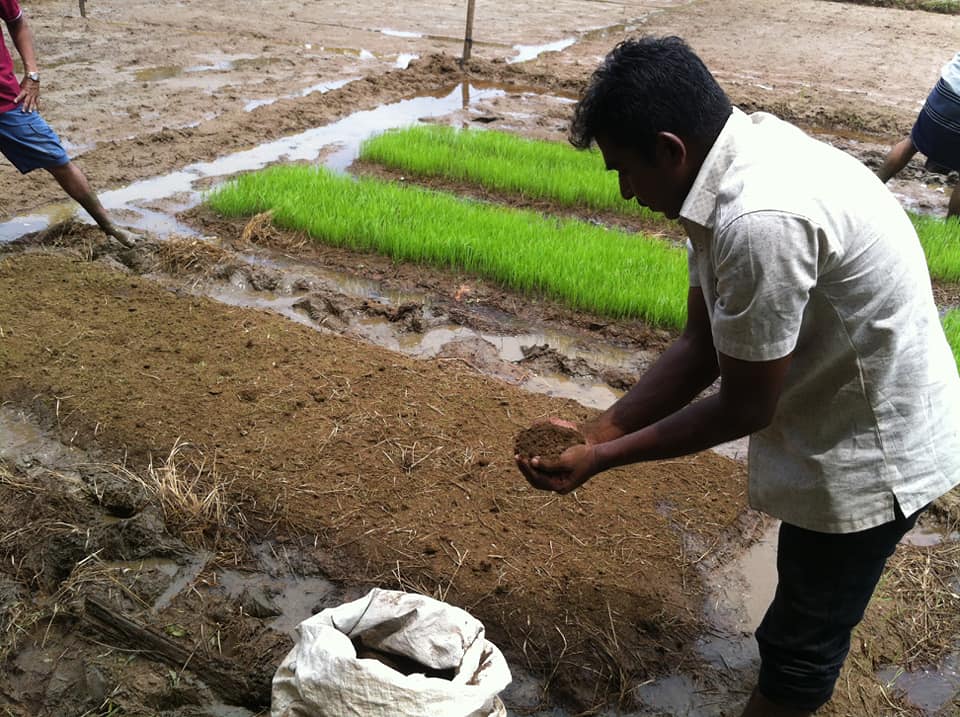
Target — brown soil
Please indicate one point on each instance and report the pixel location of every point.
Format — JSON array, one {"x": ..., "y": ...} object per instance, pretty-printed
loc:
[
  {"x": 234, "y": 439},
  {"x": 547, "y": 440}
]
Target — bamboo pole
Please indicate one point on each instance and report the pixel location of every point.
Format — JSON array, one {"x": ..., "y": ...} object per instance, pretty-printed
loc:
[{"x": 468, "y": 35}]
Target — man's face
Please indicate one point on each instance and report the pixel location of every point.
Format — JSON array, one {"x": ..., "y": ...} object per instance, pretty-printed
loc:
[{"x": 659, "y": 185}]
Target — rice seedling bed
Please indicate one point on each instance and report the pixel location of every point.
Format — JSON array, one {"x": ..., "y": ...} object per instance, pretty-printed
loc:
[
  {"x": 588, "y": 267},
  {"x": 572, "y": 178},
  {"x": 505, "y": 162}
]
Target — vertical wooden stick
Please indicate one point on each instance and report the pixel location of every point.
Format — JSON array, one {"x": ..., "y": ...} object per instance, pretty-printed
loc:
[
  {"x": 83, "y": 8},
  {"x": 468, "y": 36}
]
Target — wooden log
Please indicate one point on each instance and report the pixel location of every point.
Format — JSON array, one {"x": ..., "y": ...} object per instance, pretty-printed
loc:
[{"x": 130, "y": 634}]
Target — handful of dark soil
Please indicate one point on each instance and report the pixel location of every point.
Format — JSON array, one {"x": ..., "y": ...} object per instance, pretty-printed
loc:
[{"x": 546, "y": 440}]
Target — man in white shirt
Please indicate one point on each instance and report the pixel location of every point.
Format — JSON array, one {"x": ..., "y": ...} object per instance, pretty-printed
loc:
[
  {"x": 810, "y": 299},
  {"x": 936, "y": 133}
]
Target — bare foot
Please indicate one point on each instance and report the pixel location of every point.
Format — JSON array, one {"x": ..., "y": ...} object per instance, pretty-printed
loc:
[{"x": 128, "y": 238}]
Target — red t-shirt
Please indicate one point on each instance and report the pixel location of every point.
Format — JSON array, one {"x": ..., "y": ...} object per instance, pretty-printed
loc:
[{"x": 9, "y": 84}]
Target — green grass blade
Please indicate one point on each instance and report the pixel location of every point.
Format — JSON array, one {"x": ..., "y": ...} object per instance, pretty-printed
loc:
[{"x": 940, "y": 239}]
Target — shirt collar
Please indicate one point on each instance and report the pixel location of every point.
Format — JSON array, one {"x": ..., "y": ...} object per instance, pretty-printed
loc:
[{"x": 700, "y": 205}]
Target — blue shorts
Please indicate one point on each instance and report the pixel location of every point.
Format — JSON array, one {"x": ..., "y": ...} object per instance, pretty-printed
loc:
[
  {"x": 825, "y": 583},
  {"x": 29, "y": 143},
  {"x": 936, "y": 132}
]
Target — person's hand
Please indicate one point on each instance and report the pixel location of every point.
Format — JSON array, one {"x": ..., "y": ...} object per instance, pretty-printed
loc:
[
  {"x": 572, "y": 469},
  {"x": 29, "y": 95}
]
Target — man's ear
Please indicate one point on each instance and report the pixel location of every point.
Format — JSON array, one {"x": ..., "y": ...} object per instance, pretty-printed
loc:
[{"x": 671, "y": 150}]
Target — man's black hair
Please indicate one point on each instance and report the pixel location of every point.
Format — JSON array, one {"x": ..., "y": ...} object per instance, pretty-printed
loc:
[{"x": 646, "y": 86}]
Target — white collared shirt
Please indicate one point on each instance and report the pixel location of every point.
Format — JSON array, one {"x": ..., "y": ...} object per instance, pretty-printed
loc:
[
  {"x": 951, "y": 73},
  {"x": 799, "y": 248}
]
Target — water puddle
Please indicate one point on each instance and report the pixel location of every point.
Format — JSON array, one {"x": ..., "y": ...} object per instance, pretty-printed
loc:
[
  {"x": 523, "y": 90},
  {"x": 509, "y": 348},
  {"x": 529, "y": 52},
  {"x": 400, "y": 33},
  {"x": 224, "y": 64},
  {"x": 321, "y": 88},
  {"x": 929, "y": 689},
  {"x": 618, "y": 31},
  {"x": 404, "y": 59},
  {"x": 22, "y": 440},
  {"x": 284, "y": 601},
  {"x": 154, "y": 74},
  {"x": 348, "y": 51},
  {"x": 924, "y": 537}
]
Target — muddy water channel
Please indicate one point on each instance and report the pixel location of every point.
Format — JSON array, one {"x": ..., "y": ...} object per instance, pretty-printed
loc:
[{"x": 286, "y": 587}]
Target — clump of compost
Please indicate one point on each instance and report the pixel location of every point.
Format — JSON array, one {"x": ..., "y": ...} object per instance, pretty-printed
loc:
[{"x": 547, "y": 440}]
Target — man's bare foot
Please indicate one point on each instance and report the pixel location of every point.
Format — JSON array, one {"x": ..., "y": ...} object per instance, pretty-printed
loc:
[{"x": 128, "y": 238}]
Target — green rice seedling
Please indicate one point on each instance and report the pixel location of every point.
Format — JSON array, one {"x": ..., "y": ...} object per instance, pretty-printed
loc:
[
  {"x": 557, "y": 172},
  {"x": 951, "y": 326},
  {"x": 588, "y": 267},
  {"x": 940, "y": 239},
  {"x": 504, "y": 162}
]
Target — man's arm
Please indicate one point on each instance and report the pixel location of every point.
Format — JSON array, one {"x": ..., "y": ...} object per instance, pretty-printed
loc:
[
  {"x": 22, "y": 38},
  {"x": 746, "y": 402},
  {"x": 687, "y": 367}
]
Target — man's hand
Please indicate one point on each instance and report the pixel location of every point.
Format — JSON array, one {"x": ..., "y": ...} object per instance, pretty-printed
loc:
[
  {"x": 572, "y": 469},
  {"x": 29, "y": 95}
]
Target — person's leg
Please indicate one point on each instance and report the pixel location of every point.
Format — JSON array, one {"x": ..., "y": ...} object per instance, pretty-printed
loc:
[
  {"x": 30, "y": 143},
  {"x": 760, "y": 706},
  {"x": 953, "y": 207},
  {"x": 824, "y": 584},
  {"x": 897, "y": 159},
  {"x": 75, "y": 183}
]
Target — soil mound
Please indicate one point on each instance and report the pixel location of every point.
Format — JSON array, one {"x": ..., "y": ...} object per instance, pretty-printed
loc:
[{"x": 547, "y": 440}]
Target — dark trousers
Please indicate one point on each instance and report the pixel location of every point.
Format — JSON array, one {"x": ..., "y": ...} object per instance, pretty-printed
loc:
[{"x": 824, "y": 584}]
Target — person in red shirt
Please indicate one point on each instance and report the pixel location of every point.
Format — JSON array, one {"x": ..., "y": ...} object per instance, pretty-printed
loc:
[{"x": 25, "y": 138}]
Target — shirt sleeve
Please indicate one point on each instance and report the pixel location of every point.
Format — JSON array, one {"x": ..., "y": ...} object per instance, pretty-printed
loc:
[
  {"x": 766, "y": 265},
  {"x": 693, "y": 268},
  {"x": 9, "y": 10}
]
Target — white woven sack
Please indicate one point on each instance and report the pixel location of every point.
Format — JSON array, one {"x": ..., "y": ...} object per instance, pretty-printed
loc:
[{"x": 323, "y": 677}]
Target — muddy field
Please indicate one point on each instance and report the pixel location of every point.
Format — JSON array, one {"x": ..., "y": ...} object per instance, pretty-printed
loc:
[{"x": 208, "y": 438}]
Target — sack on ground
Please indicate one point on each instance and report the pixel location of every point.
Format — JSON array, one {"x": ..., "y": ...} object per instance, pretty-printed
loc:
[{"x": 391, "y": 654}]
